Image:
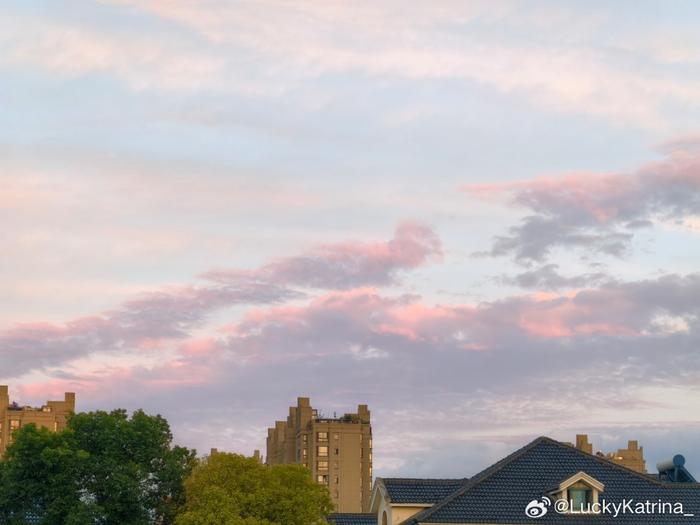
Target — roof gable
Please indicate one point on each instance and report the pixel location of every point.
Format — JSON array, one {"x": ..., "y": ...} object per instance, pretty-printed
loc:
[{"x": 581, "y": 476}]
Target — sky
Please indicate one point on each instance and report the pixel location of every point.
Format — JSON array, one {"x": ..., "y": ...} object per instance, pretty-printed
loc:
[{"x": 482, "y": 219}]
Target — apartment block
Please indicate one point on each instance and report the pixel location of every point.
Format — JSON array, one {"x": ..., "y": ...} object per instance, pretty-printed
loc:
[
  {"x": 337, "y": 450},
  {"x": 53, "y": 415},
  {"x": 631, "y": 457}
]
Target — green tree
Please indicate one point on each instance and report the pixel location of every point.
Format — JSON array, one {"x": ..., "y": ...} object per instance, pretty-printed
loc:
[
  {"x": 105, "y": 468},
  {"x": 228, "y": 489}
]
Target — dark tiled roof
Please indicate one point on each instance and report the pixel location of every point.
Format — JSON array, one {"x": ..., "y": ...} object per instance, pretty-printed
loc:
[
  {"x": 413, "y": 490},
  {"x": 347, "y": 518},
  {"x": 500, "y": 493}
]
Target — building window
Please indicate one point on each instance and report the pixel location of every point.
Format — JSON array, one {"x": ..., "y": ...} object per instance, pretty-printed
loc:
[
  {"x": 323, "y": 465},
  {"x": 323, "y": 436},
  {"x": 384, "y": 519},
  {"x": 322, "y": 451},
  {"x": 303, "y": 453},
  {"x": 14, "y": 424},
  {"x": 322, "y": 478},
  {"x": 46, "y": 409},
  {"x": 336, "y": 436},
  {"x": 337, "y": 451},
  {"x": 580, "y": 498},
  {"x": 305, "y": 438},
  {"x": 337, "y": 480}
]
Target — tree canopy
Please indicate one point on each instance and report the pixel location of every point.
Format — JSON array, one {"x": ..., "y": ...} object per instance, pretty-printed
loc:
[
  {"x": 105, "y": 468},
  {"x": 229, "y": 489}
]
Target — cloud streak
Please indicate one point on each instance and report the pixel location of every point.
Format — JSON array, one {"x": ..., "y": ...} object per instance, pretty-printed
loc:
[
  {"x": 547, "y": 277},
  {"x": 218, "y": 50},
  {"x": 515, "y": 366},
  {"x": 347, "y": 265},
  {"x": 596, "y": 213},
  {"x": 172, "y": 314}
]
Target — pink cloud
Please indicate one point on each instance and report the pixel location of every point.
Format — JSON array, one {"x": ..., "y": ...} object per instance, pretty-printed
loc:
[
  {"x": 597, "y": 212},
  {"x": 348, "y": 264},
  {"x": 153, "y": 320},
  {"x": 425, "y": 355},
  {"x": 343, "y": 315}
]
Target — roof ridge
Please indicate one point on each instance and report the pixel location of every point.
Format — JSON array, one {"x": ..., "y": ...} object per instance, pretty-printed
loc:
[
  {"x": 478, "y": 478},
  {"x": 496, "y": 467},
  {"x": 352, "y": 513},
  {"x": 438, "y": 480}
]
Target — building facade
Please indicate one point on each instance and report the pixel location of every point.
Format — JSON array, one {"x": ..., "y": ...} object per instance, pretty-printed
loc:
[
  {"x": 337, "y": 450},
  {"x": 53, "y": 415},
  {"x": 631, "y": 457}
]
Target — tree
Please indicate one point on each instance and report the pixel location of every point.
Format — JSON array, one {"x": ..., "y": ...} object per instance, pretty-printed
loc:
[
  {"x": 105, "y": 468},
  {"x": 229, "y": 489},
  {"x": 41, "y": 476}
]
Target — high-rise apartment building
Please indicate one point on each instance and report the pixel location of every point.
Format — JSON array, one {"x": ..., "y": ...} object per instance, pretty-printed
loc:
[
  {"x": 53, "y": 415},
  {"x": 337, "y": 450}
]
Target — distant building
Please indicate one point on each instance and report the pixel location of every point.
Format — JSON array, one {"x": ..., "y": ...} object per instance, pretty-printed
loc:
[
  {"x": 53, "y": 415},
  {"x": 630, "y": 457},
  {"x": 525, "y": 486},
  {"x": 338, "y": 451}
]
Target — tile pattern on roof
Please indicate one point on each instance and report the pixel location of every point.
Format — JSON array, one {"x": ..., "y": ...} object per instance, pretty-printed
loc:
[
  {"x": 349, "y": 518},
  {"x": 500, "y": 493},
  {"x": 415, "y": 490}
]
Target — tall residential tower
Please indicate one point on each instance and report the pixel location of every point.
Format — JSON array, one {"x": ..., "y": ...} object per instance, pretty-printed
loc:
[{"x": 337, "y": 450}]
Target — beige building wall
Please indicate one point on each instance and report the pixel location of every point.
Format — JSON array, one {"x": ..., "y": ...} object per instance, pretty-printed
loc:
[
  {"x": 393, "y": 513},
  {"x": 396, "y": 514},
  {"x": 338, "y": 451},
  {"x": 53, "y": 415},
  {"x": 631, "y": 457}
]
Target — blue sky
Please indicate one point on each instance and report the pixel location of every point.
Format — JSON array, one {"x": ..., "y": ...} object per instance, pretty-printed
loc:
[{"x": 481, "y": 218}]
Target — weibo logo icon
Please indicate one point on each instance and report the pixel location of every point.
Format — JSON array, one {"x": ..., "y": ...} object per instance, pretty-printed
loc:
[{"x": 537, "y": 507}]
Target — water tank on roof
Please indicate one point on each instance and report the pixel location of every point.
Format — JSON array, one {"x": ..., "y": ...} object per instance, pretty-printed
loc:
[{"x": 674, "y": 470}]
